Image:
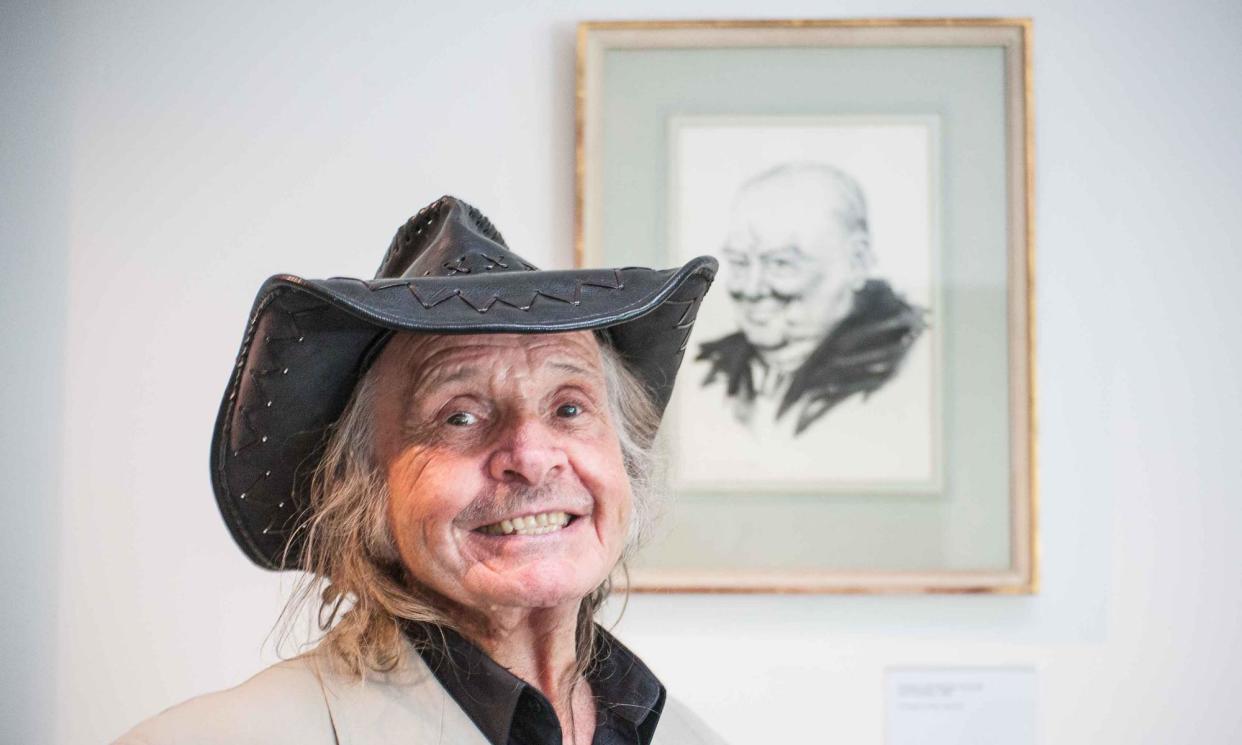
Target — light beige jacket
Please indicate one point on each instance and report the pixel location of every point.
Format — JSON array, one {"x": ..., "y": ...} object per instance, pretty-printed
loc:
[{"x": 308, "y": 701}]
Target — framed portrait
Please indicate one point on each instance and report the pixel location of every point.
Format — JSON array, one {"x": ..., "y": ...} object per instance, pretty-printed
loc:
[{"x": 854, "y": 412}]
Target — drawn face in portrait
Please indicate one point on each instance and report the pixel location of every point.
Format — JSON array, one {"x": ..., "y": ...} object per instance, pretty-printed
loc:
[
  {"x": 814, "y": 328},
  {"x": 796, "y": 250}
]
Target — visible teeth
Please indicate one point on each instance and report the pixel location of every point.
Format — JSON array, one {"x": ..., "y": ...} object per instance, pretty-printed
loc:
[{"x": 544, "y": 522}]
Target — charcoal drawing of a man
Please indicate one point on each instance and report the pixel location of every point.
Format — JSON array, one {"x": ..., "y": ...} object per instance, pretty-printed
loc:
[{"x": 815, "y": 327}]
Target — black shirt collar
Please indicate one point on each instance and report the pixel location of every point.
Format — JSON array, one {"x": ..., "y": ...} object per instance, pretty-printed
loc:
[{"x": 509, "y": 711}]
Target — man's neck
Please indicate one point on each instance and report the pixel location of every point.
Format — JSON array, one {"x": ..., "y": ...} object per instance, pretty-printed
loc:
[
  {"x": 536, "y": 644},
  {"x": 539, "y": 645}
]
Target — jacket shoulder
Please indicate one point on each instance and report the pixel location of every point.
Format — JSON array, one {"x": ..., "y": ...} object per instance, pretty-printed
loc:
[
  {"x": 681, "y": 726},
  {"x": 284, "y": 703}
]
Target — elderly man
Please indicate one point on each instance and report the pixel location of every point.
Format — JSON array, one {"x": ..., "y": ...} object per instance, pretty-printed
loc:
[
  {"x": 458, "y": 453},
  {"x": 815, "y": 328}
]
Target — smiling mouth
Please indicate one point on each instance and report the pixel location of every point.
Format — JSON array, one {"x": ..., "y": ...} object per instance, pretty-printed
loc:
[{"x": 537, "y": 524}]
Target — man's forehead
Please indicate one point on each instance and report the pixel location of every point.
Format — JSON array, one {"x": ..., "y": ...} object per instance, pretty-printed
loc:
[
  {"x": 765, "y": 220},
  {"x": 433, "y": 353}
]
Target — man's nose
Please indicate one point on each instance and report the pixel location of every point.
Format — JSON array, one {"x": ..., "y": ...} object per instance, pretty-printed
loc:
[
  {"x": 752, "y": 282},
  {"x": 529, "y": 452}
]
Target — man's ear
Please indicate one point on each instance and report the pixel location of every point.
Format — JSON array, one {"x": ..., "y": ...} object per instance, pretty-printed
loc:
[{"x": 862, "y": 261}]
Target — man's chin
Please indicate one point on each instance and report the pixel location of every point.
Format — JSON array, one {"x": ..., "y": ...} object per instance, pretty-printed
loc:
[
  {"x": 539, "y": 589},
  {"x": 765, "y": 340}
]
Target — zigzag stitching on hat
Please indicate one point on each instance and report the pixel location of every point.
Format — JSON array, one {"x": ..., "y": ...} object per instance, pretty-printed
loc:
[
  {"x": 257, "y": 376},
  {"x": 688, "y": 316},
  {"x": 686, "y": 320},
  {"x": 292, "y": 333},
  {"x": 249, "y": 490},
  {"x": 242, "y": 452},
  {"x": 271, "y": 529},
  {"x": 458, "y": 265},
  {"x": 250, "y": 427},
  {"x": 574, "y": 298},
  {"x": 296, "y": 336}
]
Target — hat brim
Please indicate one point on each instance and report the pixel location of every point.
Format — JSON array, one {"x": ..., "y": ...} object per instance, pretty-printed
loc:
[{"x": 307, "y": 341}]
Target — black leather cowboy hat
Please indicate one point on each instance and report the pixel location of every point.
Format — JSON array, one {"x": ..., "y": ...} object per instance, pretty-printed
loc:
[{"x": 448, "y": 271}]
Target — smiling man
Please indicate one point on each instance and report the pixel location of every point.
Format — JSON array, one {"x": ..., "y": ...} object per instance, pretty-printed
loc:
[{"x": 458, "y": 453}]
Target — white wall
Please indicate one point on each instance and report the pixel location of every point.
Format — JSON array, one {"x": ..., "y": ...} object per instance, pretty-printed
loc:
[{"x": 162, "y": 158}]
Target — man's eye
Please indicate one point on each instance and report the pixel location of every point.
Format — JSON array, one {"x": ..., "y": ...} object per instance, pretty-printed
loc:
[
  {"x": 781, "y": 262},
  {"x": 568, "y": 410},
  {"x": 461, "y": 419}
]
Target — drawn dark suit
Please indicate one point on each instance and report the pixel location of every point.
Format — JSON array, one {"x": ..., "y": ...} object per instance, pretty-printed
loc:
[{"x": 862, "y": 353}]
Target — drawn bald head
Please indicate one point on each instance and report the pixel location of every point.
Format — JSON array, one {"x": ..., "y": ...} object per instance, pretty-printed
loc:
[{"x": 797, "y": 248}]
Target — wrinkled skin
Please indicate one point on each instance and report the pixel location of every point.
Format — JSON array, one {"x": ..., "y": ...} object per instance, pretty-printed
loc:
[{"x": 473, "y": 429}]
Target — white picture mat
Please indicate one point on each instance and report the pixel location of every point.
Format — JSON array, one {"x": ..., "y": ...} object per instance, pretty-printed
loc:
[{"x": 889, "y": 442}]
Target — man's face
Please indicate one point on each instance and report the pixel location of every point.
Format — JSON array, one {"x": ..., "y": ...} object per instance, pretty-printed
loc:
[
  {"x": 480, "y": 435},
  {"x": 790, "y": 265}
]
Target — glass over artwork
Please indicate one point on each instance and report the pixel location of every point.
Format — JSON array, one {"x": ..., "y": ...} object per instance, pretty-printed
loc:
[{"x": 854, "y": 408}]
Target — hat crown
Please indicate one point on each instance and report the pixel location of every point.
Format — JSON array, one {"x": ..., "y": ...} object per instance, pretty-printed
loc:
[{"x": 448, "y": 238}]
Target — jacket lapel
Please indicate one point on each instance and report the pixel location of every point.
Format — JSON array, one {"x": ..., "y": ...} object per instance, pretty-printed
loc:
[{"x": 403, "y": 707}]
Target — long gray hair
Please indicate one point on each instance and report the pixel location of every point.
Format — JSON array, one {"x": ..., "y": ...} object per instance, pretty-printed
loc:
[{"x": 355, "y": 583}]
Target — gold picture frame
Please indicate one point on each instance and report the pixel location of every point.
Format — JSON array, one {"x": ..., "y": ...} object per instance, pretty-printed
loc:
[{"x": 619, "y": 61}]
